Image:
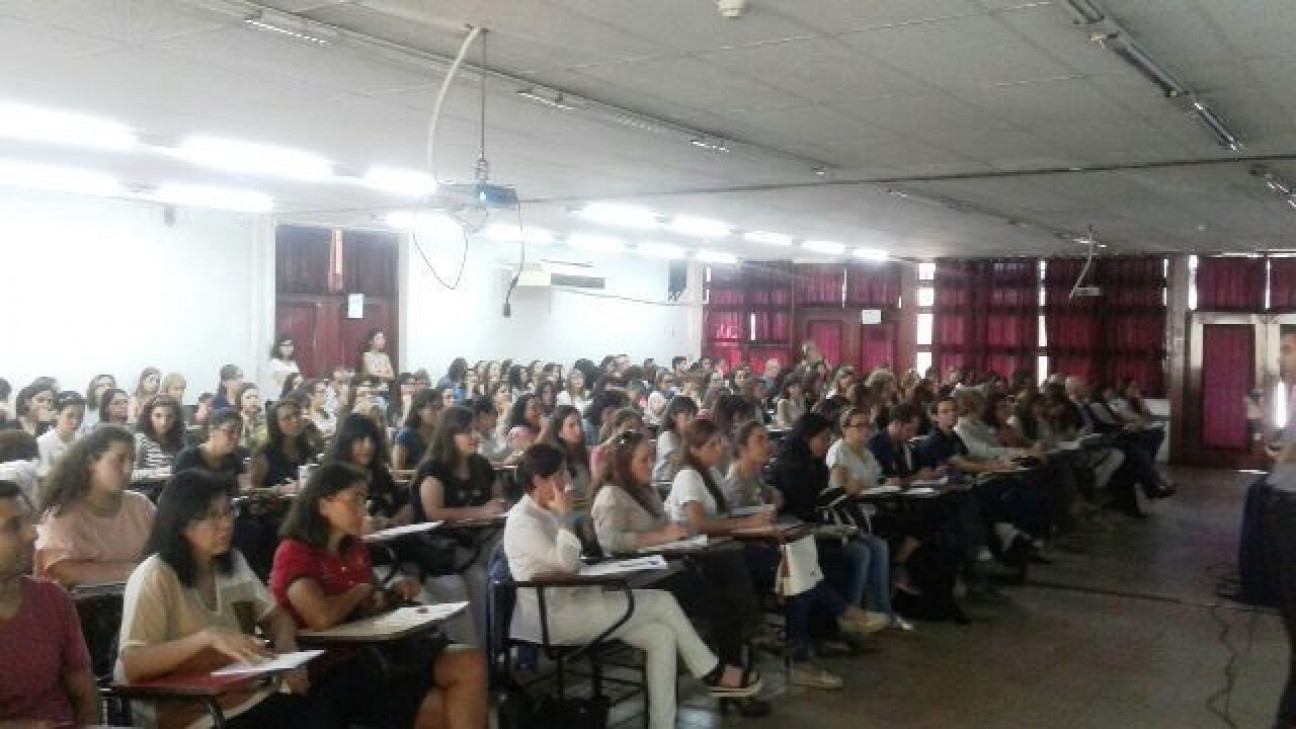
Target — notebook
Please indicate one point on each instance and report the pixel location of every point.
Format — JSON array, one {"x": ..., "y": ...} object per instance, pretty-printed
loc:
[
  {"x": 621, "y": 566},
  {"x": 281, "y": 662}
]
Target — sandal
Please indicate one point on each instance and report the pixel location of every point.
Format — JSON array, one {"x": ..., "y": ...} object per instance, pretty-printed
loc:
[{"x": 750, "y": 686}]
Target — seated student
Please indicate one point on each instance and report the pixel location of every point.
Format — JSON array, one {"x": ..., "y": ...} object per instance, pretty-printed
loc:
[
  {"x": 69, "y": 411},
  {"x": 219, "y": 453},
  {"x": 313, "y": 395},
  {"x": 563, "y": 431},
  {"x": 146, "y": 387},
  {"x": 626, "y": 420},
  {"x": 173, "y": 386},
  {"x": 456, "y": 482},
  {"x": 524, "y": 423},
  {"x": 360, "y": 442},
  {"x": 112, "y": 407},
  {"x": 227, "y": 391},
  {"x": 323, "y": 576},
  {"x": 189, "y": 607},
  {"x": 92, "y": 529},
  {"x": 602, "y": 407},
  {"x": 93, "y": 395},
  {"x": 249, "y": 407},
  {"x": 20, "y": 461},
  {"x": 679, "y": 413},
  {"x": 697, "y": 500},
  {"x": 288, "y": 446},
  {"x": 791, "y": 403},
  {"x": 853, "y": 469},
  {"x": 45, "y": 676},
  {"x": 159, "y": 434},
  {"x": 418, "y": 429},
  {"x": 574, "y": 394},
  {"x": 34, "y": 408},
  {"x": 540, "y": 539},
  {"x": 489, "y": 441}
]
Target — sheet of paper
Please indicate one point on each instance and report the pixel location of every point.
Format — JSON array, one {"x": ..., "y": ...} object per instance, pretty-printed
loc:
[
  {"x": 1068, "y": 445},
  {"x": 697, "y": 542},
  {"x": 921, "y": 491},
  {"x": 929, "y": 485},
  {"x": 396, "y": 621},
  {"x": 281, "y": 662},
  {"x": 401, "y": 531},
  {"x": 620, "y": 566},
  {"x": 749, "y": 510},
  {"x": 880, "y": 490}
]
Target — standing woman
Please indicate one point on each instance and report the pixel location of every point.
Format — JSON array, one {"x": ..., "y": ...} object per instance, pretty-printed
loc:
[
  {"x": 93, "y": 396},
  {"x": 374, "y": 361},
  {"x": 323, "y": 576},
  {"x": 112, "y": 407},
  {"x": 524, "y": 423},
  {"x": 185, "y": 609},
  {"x": 281, "y": 364},
  {"x": 227, "y": 392},
  {"x": 149, "y": 384},
  {"x": 540, "y": 539},
  {"x": 92, "y": 529},
  {"x": 159, "y": 434},
  {"x": 456, "y": 482},
  {"x": 413, "y": 439}
]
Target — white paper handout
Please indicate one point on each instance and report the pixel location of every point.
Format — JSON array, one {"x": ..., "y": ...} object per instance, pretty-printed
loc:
[
  {"x": 621, "y": 566},
  {"x": 281, "y": 662},
  {"x": 400, "y": 531},
  {"x": 880, "y": 490},
  {"x": 742, "y": 511},
  {"x": 397, "y": 621},
  {"x": 695, "y": 542}
]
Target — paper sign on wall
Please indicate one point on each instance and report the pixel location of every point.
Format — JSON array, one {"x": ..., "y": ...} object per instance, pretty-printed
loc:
[
  {"x": 870, "y": 316},
  {"x": 355, "y": 306}
]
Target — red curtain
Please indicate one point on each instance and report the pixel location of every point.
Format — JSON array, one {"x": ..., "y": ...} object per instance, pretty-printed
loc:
[
  {"x": 827, "y": 336},
  {"x": 820, "y": 285},
  {"x": 1282, "y": 284},
  {"x": 986, "y": 315},
  {"x": 1228, "y": 375},
  {"x": 873, "y": 285},
  {"x": 1230, "y": 284},
  {"x": 1073, "y": 325},
  {"x": 877, "y": 346}
]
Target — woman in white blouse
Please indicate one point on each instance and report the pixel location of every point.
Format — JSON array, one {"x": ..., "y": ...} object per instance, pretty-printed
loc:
[{"x": 540, "y": 539}]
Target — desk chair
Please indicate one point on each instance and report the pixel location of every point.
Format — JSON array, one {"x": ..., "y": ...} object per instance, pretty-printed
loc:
[{"x": 99, "y": 608}]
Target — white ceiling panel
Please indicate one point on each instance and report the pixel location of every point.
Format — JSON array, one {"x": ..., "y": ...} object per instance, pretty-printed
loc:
[
  {"x": 688, "y": 25},
  {"x": 132, "y": 21},
  {"x": 844, "y": 16}
]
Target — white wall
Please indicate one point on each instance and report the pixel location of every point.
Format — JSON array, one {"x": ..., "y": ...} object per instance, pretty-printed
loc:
[
  {"x": 549, "y": 325},
  {"x": 90, "y": 285}
]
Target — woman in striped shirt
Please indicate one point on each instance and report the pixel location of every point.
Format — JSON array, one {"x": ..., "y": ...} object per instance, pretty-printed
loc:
[{"x": 159, "y": 435}]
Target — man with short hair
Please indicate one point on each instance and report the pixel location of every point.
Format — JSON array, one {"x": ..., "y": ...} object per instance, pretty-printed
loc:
[{"x": 680, "y": 366}]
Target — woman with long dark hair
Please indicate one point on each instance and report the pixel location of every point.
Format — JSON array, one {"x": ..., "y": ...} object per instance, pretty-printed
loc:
[
  {"x": 563, "y": 431},
  {"x": 525, "y": 422},
  {"x": 360, "y": 443},
  {"x": 93, "y": 396},
  {"x": 288, "y": 446},
  {"x": 416, "y": 434},
  {"x": 323, "y": 576},
  {"x": 679, "y": 413},
  {"x": 148, "y": 385},
  {"x": 227, "y": 390},
  {"x": 159, "y": 434},
  {"x": 189, "y": 607}
]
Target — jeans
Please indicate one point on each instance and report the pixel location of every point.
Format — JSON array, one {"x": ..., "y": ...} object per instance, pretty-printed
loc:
[
  {"x": 869, "y": 573},
  {"x": 798, "y": 610}
]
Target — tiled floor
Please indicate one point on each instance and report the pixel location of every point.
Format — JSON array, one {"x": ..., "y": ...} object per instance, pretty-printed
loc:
[{"x": 1122, "y": 636}]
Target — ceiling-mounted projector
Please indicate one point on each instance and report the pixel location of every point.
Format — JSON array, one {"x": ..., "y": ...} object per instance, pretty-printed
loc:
[{"x": 481, "y": 195}]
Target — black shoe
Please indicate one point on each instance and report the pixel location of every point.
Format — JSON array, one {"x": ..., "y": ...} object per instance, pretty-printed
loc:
[{"x": 749, "y": 707}]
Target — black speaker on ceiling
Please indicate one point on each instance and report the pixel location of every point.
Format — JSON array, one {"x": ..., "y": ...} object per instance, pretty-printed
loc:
[{"x": 677, "y": 281}]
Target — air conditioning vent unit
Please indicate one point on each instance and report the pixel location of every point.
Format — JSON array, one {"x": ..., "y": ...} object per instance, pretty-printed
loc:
[{"x": 545, "y": 274}]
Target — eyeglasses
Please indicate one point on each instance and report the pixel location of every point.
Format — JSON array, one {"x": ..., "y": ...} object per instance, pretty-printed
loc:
[
  {"x": 228, "y": 512},
  {"x": 857, "y": 425}
]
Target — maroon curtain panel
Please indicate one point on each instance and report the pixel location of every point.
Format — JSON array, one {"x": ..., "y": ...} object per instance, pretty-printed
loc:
[
  {"x": 827, "y": 336},
  {"x": 956, "y": 339},
  {"x": 1133, "y": 321},
  {"x": 877, "y": 346},
  {"x": 1228, "y": 375},
  {"x": 1282, "y": 284},
  {"x": 873, "y": 285},
  {"x": 1073, "y": 325},
  {"x": 1231, "y": 284},
  {"x": 820, "y": 285},
  {"x": 302, "y": 257},
  {"x": 986, "y": 315}
]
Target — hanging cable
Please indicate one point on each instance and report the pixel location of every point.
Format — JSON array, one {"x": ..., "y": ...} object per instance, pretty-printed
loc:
[
  {"x": 440, "y": 100},
  {"x": 1093, "y": 248}
]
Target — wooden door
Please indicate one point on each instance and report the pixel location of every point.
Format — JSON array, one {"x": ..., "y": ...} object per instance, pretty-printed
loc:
[
  {"x": 877, "y": 347},
  {"x": 1227, "y": 362}
]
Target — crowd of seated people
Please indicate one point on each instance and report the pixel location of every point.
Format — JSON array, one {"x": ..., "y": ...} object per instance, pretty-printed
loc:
[{"x": 107, "y": 486}]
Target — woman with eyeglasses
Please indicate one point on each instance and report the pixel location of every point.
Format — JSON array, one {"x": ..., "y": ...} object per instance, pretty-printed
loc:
[
  {"x": 456, "y": 482},
  {"x": 112, "y": 407},
  {"x": 69, "y": 409},
  {"x": 148, "y": 385},
  {"x": 93, "y": 395},
  {"x": 159, "y": 435},
  {"x": 323, "y": 576},
  {"x": 92, "y": 528},
  {"x": 219, "y": 452},
  {"x": 360, "y": 442},
  {"x": 312, "y": 396},
  {"x": 192, "y": 606},
  {"x": 227, "y": 390}
]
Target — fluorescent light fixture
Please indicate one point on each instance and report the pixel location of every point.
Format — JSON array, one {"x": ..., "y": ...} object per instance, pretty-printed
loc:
[
  {"x": 769, "y": 239},
  {"x": 506, "y": 233},
  {"x": 544, "y": 97},
  {"x": 598, "y": 243},
  {"x": 1085, "y": 12},
  {"x": 424, "y": 223},
  {"x": 287, "y": 25},
  {"x": 19, "y": 121},
  {"x": 660, "y": 250},
  {"x": 628, "y": 216},
  {"x": 871, "y": 254},
  {"x": 59, "y": 179},
  {"x": 218, "y": 198},
  {"x": 720, "y": 257},
  {"x": 829, "y": 247},
  {"x": 400, "y": 181},
  {"x": 699, "y": 227},
  {"x": 710, "y": 144},
  {"x": 253, "y": 158}
]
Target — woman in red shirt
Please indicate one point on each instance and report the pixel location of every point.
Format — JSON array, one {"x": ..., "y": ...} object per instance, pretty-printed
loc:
[{"x": 323, "y": 576}]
